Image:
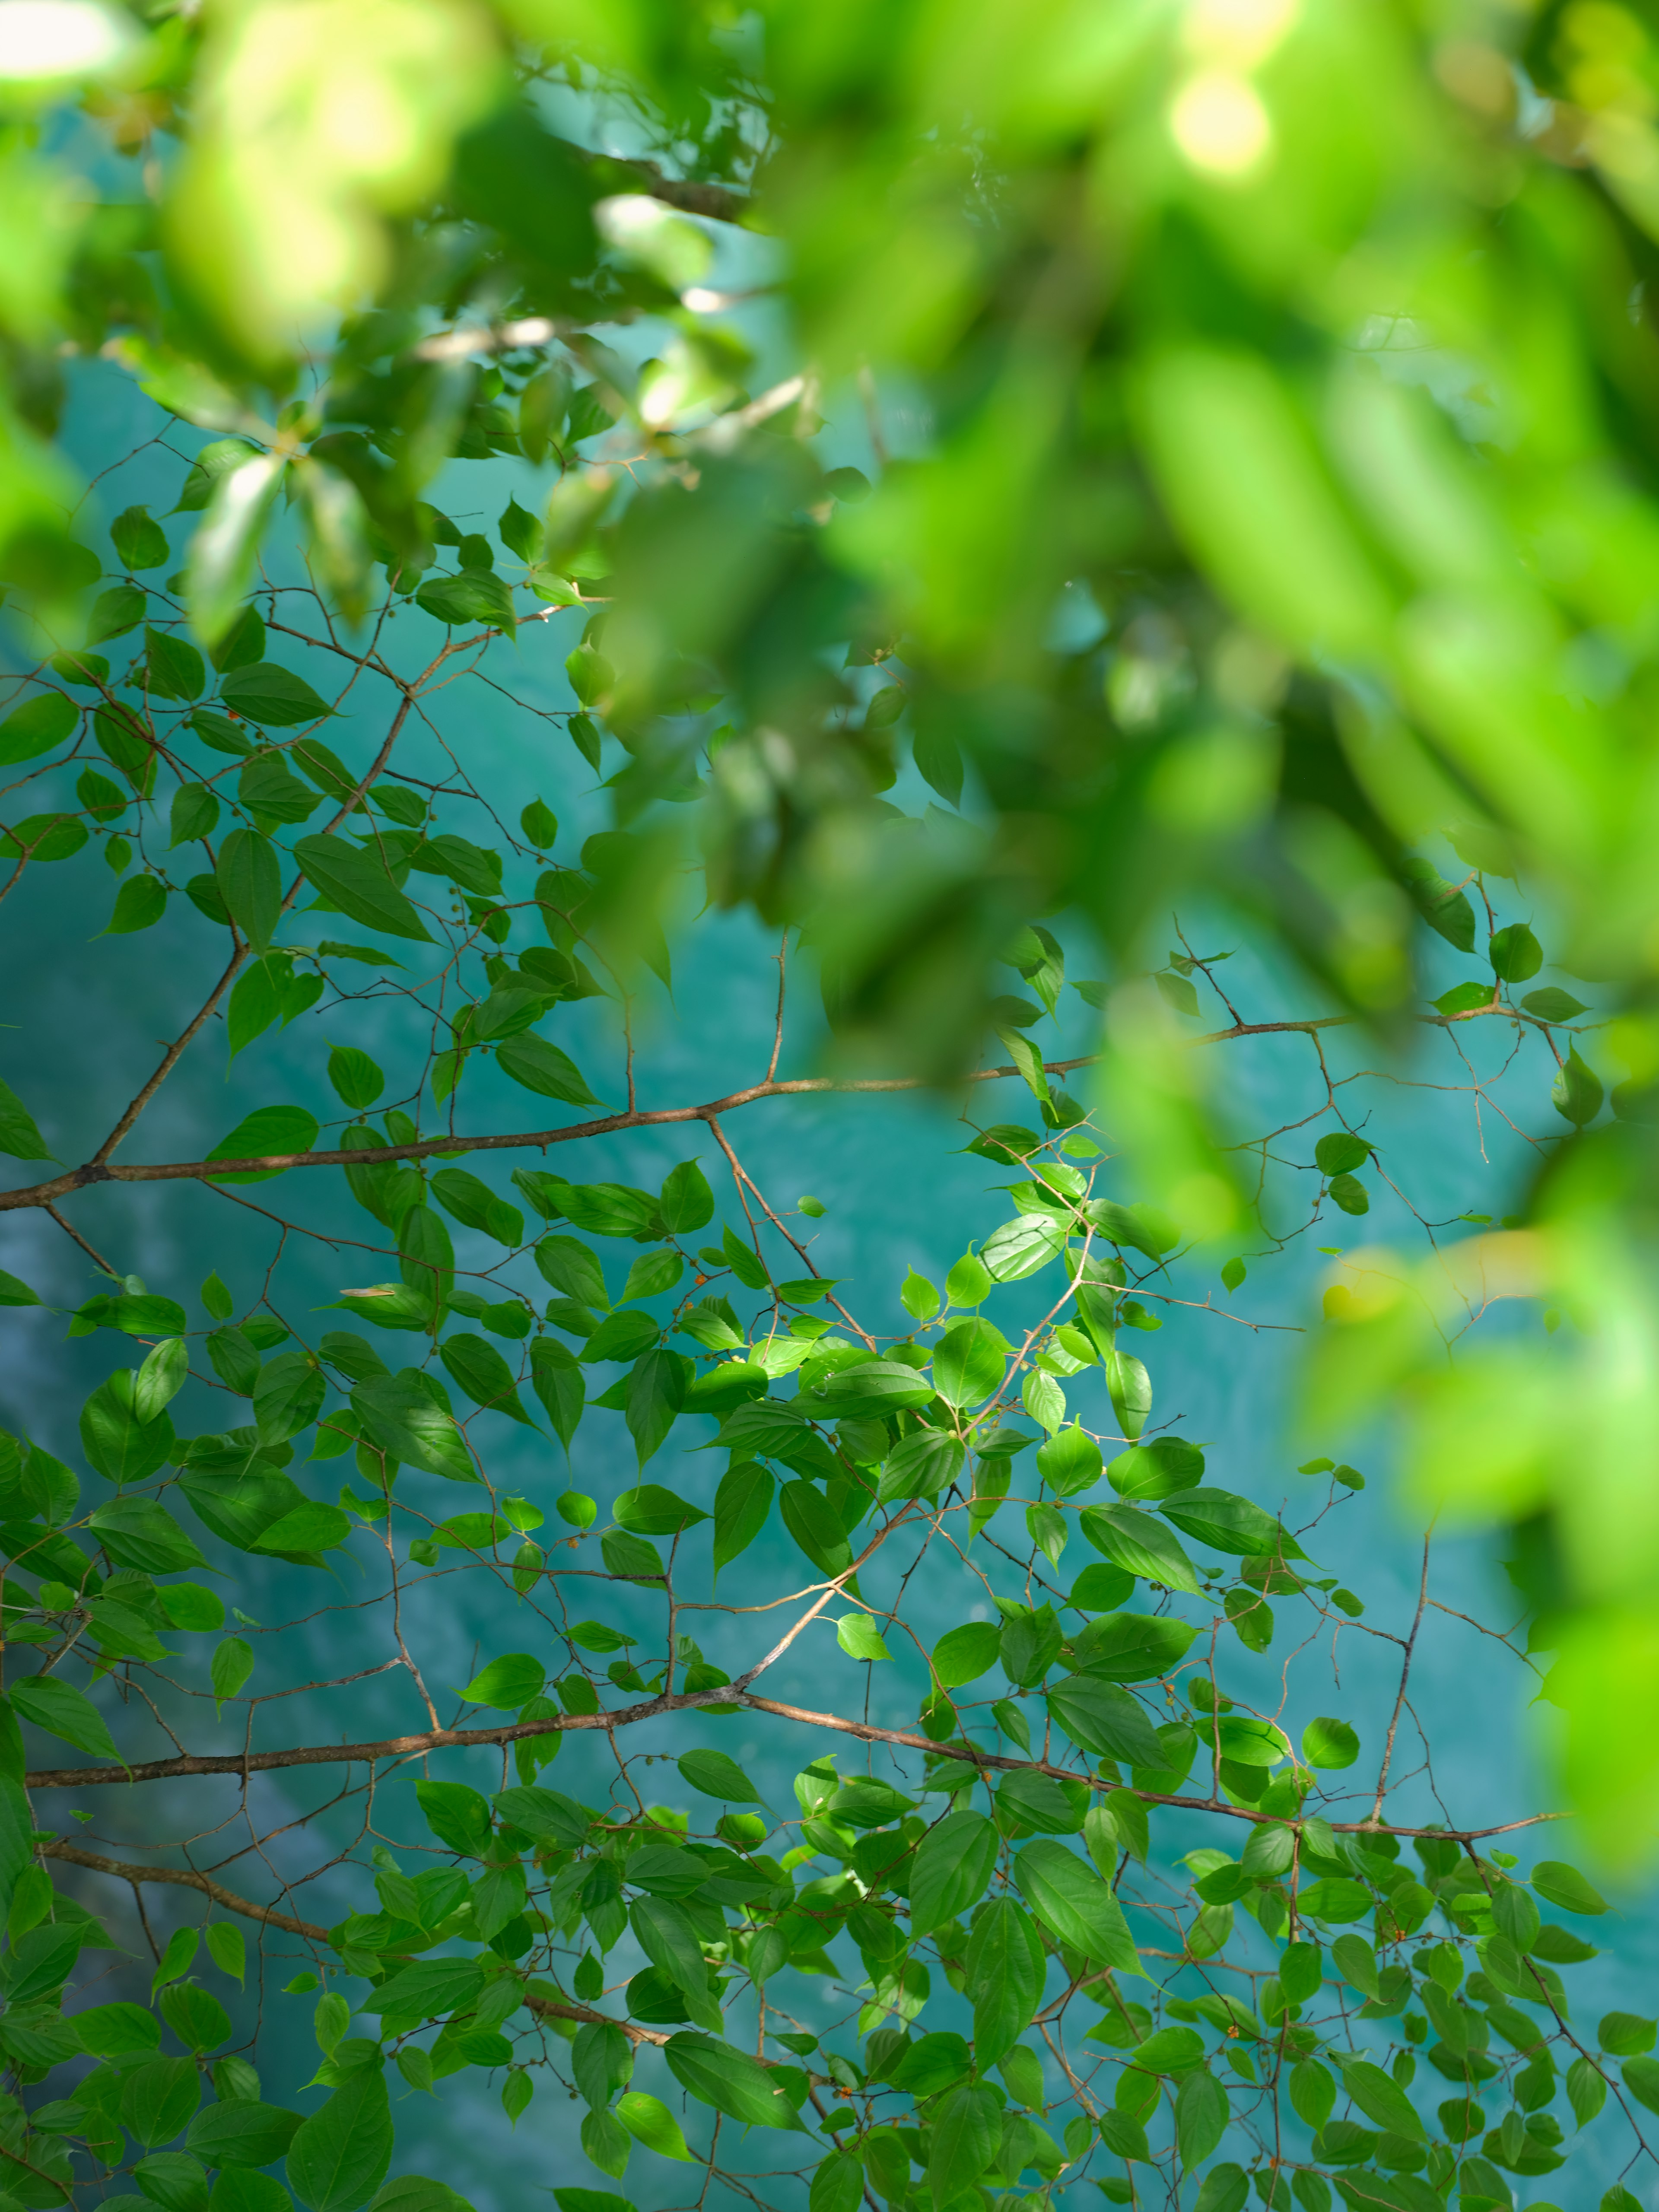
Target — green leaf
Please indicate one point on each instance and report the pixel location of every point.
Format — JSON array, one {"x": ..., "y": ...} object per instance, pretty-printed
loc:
[
  {"x": 1340, "y": 1153},
  {"x": 43, "y": 837},
  {"x": 1562, "y": 1885},
  {"x": 652, "y": 1273},
  {"x": 36, "y": 727},
  {"x": 158, "y": 2099},
  {"x": 686, "y": 1202},
  {"x": 16, "y": 1292},
  {"x": 1103, "y": 1718},
  {"x": 270, "y": 1132},
  {"x": 1313, "y": 2093},
  {"x": 652, "y": 1510},
  {"x": 970, "y": 1362},
  {"x": 1577, "y": 1092},
  {"x": 115, "y": 613},
  {"x": 227, "y": 1948},
  {"x": 1445, "y": 909},
  {"x": 173, "y": 669},
  {"x": 1003, "y": 1978},
  {"x": 357, "y": 883},
  {"x": 717, "y": 1775},
  {"x": 1139, "y": 1545},
  {"x": 233, "y": 1662},
  {"x": 742, "y": 1504},
  {"x": 1069, "y": 1461},
  {"x": 556, "y": 1378},
  {"x": 966, "y": 2132},
  {"x": 815, "y": 1527},
  {"x": 543, "y": 1068},
  {"x": 1329, "y": 1743},
  {"x": 509, "y": 1682},
  {"x": 243, "y": 643},
  {"x": 288, "y": 1396},
  {"x": 1020, "y": 1247},
  {"x": 19, "y": 1138},
  {"x": 484, "y": 1375},
  {"x": 195, "y": 812},
  {"x": 64, "y": 1712},
  {"x": 249, "y": 879},
  {"x": 140, "y": 1534},
  {"x": 1553, "y": 1005},
  {"x": 714, "y": 2074},
  {"x": 401, "y": 1417},
  {"x": 1074, "y": 1905},
  {"x": 1381, "y": 2099},
  {"x": 544, "y": 1814},
  {"x": 860, "y": 1638},
  {"x": 271, "y": 695},
  {"x": 1516, "y": 953},
  {"x": 656, "y": 1392},
  {"x": 1626, "y": 2034},
  {"x": 1130, "y": 1388},
  {"x": 921, "y": 1466},
  {"x": 1203, "y": 2117},
  {"x": 1464, "y": 998},
  {"x": 474, "y": 595},
  {"x": 962, "y": 1654},
  {"x": 242, "y": 2135},
  {"x": 649, "y": 2121},
  {"x": 219, "y": 567},
  {"x": 1227, "y": 2189},
  {"x": 339, "y": 2156}
]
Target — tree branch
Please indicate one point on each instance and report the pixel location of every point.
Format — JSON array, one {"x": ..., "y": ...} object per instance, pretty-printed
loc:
[
  {"x": 416, "y": 1747},
  {"x": 184, "y": 1878}
]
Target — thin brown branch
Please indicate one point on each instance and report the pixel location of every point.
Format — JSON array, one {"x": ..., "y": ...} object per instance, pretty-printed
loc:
[
  {"x": 418, "y": 1747},
  {"x": 184, "y": 1878},
  {"x": 97, "y": 1172}
]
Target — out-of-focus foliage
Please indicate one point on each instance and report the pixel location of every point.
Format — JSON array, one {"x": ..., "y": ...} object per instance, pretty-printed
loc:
[{"x": 1273, "y": 517}]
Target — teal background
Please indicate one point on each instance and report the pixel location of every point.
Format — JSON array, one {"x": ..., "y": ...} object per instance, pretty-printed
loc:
[{"x": 87, "y": 1015}]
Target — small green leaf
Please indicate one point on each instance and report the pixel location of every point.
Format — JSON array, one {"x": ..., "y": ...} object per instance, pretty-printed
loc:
[
  {"x": 139, "y": 542},
  {"x": 716, "y": 1775},
  {"x": 64, "y": 1712},
  {"x": 233, "y": 1662},
  {"x": 509, "y": 1682},
  {"x": 1576, "y": 1093},
  {"x": 859, "y": 1636},
  {"x": 1516, "y": 953},
  {"x": 271, "y": 695},
  {"x": 139, "y": 904}
]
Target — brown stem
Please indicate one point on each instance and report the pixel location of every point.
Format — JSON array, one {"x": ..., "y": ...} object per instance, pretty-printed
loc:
[
  {"x": 416, "y": 1747},
  {"x": 97, "y": 1172},
  {"x": 184, "y": 1878}
]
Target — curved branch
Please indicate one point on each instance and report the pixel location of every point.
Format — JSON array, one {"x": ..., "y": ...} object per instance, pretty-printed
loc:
[
  {"x": 185, "y": 1878},
  {"x": 81, "y": 1178},
  {"x": 43, "y": 1193},
  {"x": 416, "y": 1747}
]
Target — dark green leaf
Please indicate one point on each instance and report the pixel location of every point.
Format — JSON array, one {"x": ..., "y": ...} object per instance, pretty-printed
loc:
[
  {"x": 484, "y": 1375},
  {"x": 733, "y": 2083},
  {"x": 716, "y": 1775},
  {"x": 272, "y": 696},
  {"x": 35, "y": 726},
  {"x": 339, "y": 2156},
  {"x": 967, "y": 2130},
  {"x": 241, "y": 2134},
  {"x": 475, "y": 595},
  {"x": 357, "y": 883},
  {"x": 543, "y": 1068},
  {"x": 19, "y": 1138},
  {"x": 1075, "y": 1904},
  {"x": 272, "y": 1131}
]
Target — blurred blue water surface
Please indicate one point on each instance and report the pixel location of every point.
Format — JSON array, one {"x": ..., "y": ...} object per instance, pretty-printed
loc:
[{"x": 87, "y": 1019}]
